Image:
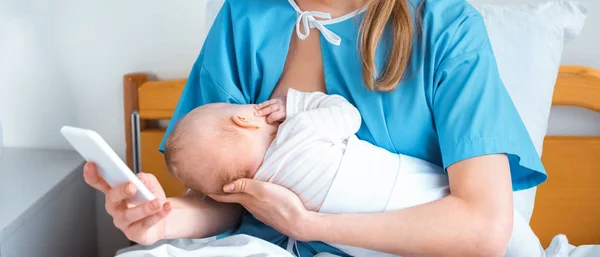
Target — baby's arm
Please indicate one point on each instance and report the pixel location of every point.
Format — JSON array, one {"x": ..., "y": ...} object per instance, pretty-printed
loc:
[{"x": 331, "y": 113}]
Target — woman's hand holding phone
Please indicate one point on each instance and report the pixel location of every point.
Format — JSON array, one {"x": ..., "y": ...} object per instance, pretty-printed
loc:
[{"x": 144, "y": 223}]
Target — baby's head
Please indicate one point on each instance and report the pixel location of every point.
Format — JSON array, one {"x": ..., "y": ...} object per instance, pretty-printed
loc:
[{"x": 216, "y": 144}]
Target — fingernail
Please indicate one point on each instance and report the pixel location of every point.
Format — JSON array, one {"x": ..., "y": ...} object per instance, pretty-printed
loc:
[
  {"x": 167, "y": 207},
  {"x": 130, "y": 189},
  {"x": 257, "y": 113},
  {"x": 229, "y": 188},
  {"x": 155, "y": 205},
  {"x": 256, "y": 107}
]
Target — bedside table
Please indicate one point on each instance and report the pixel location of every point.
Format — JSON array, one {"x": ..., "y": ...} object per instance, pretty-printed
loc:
[{"x": 46, "y": 209}]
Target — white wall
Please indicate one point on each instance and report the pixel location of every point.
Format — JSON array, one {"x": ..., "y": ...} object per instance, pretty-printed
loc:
[
  {"x": 62, "y": 61},
  {"x": 111, "y": 38},
  {"x": 34, "y": 98}
]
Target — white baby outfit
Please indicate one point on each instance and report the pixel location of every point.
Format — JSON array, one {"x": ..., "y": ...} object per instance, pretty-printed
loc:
[{"x": 317, "y": 155}]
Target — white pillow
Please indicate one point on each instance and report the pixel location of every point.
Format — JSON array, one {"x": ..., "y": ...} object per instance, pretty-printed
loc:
[{"x": 528, "y": 43}]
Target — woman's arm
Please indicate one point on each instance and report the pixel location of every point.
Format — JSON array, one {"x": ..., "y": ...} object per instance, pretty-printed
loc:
[
  {"x": 196, "y": 216},
  {"x": 188, "y": 216},
  {"x": 475, "y": 220}
]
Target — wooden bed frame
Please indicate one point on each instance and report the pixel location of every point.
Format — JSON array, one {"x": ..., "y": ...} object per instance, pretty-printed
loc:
[{"x": 568, "y": 203}]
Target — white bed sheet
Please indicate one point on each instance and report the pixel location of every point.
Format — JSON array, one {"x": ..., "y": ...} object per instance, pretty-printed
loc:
[
  {"x": 585, "y": 251},
  {"x": 235, "y": 246},
  {"x": 244, "y": 245}
]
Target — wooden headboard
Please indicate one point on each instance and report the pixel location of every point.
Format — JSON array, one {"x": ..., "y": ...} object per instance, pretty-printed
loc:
[
  {"x": 153, "y": 101},
  {"x": 568, "y": 203}
]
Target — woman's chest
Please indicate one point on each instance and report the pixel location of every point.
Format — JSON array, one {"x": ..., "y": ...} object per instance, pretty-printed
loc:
[
  {"x": 303, "y": 69},
  {"x": 399, "y": 121}
]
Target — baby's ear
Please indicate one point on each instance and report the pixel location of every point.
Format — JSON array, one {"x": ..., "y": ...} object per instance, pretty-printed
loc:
[{"x": 244, "y": 122}]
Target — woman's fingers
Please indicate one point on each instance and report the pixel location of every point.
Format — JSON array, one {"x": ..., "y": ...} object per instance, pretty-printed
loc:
[
  {"x": 248, "y": 186},
  {"x": 141, "y": 211},
  {"x": 148, "y": 180},
  {"x": 155, "y": 218},
  {"x": 151, "y": 182},
  {"x": 240, "y": 191},
  {"x": 120, "y": 193},
  {"x": 92, "y": 178},
  {"x": 140, "y": 230}
]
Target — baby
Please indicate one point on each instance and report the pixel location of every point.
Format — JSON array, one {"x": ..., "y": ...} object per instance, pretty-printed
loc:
[{"x": 314, "y": 153}]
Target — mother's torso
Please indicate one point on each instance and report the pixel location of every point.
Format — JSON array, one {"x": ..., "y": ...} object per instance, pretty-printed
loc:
[{"x": 267, "y": 58}]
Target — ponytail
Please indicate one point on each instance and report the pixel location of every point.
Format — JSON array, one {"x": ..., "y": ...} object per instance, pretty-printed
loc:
[{"x": 377, "y": 16}]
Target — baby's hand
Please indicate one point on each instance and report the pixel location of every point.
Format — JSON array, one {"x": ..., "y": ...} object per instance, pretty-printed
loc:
[{"x": 274, "y": 109}]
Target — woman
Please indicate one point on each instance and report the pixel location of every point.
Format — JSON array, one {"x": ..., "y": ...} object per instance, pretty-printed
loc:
[{"x": 426, "y": 85}]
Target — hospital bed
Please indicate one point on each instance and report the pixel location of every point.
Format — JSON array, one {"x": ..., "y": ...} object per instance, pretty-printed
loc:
[{"x": 568, "y": 203}]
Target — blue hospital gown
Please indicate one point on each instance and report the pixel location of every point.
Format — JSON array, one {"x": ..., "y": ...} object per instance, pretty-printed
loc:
[{"x": 452, "y": 106}]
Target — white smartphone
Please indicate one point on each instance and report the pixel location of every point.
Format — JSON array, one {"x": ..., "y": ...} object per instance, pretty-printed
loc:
[{"x": 114, "y": 171}]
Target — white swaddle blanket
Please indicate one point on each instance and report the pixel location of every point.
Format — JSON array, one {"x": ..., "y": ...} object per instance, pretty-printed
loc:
[{"x": 317, "y": 155}]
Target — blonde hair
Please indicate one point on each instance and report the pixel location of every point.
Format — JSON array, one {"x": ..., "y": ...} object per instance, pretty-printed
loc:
[{"x": 377, "y": 16}]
